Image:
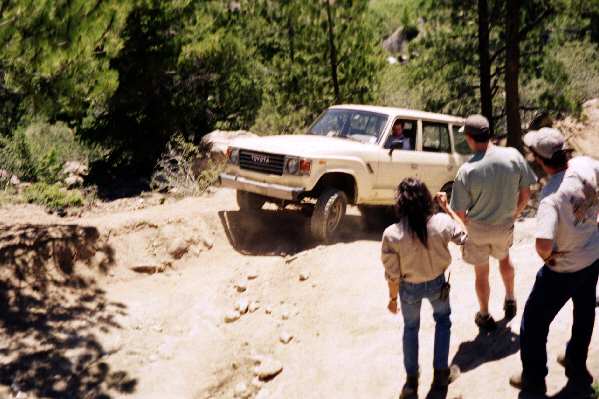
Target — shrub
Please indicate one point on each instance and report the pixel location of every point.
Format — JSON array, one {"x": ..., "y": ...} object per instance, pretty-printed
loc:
[
  {"x": 52, "y": 196},
  {"x": 183, "y": 168},
  {"x": 16, "y": 157},
  {"x": 39, "y": 152}
]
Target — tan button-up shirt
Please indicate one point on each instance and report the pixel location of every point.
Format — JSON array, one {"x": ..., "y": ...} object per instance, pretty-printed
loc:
[{"x": 405, "y": 258}]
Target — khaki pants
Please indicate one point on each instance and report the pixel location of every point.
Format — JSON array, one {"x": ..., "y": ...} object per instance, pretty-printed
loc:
[{"x": 486, "y": 240}]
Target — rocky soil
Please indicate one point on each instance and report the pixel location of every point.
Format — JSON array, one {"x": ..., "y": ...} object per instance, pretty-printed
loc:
[{"x": 192, "y": 299}]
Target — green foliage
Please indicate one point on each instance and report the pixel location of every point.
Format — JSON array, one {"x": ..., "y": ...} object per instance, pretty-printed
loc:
[
  {"x": 39, "y": 152},
  {"x": 56, "y": 53},
  {"x": 16, "y": 157},
  {"x": 52, "y": 196},
  {"x": 392, "y": 14},
  {"x": 570, "y": 76},
  {"x": 396, "y": 89},
  {"x": 184, "y": 169},
  {"x": 292, "y": 42}
]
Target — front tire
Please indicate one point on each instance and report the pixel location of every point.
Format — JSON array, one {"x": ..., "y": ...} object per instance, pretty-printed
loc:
[
  {"x": 328, "y": 214},
  {"x": 249, "y": 201}
]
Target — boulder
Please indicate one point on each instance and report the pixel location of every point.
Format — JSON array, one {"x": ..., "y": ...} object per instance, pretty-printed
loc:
[
  {"x": 219, "y": 140},
  {"x": 14, "y": 180},
  {"x": 73, "y": 181},
  {"x": 75, "y": 168}
]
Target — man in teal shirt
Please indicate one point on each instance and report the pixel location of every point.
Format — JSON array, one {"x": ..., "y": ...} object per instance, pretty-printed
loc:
[{"x": 489, "y": 192}]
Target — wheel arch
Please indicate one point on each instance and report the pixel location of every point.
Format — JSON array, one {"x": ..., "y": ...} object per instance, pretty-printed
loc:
[{"x": 340, "y": 180}]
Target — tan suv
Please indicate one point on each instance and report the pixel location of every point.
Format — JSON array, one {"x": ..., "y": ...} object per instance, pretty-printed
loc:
[{"x": 351, "y": 154}]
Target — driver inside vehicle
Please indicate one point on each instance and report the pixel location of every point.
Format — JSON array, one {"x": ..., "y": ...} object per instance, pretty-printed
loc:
[{"x": 400, "y": 136}]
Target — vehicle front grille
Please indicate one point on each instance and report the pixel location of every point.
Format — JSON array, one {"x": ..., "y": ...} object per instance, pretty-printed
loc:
[{"x": 262, "y": 162}]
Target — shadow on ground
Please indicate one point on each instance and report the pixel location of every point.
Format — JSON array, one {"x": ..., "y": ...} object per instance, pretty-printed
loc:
[
  {"x": 282, "y": 233},
  {"x": 567, "y": 392},
  {"x": 51, "y": 311},
  {"x": 487, "y": 347}
]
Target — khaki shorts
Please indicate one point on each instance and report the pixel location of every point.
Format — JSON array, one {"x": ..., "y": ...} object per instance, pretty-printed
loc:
[{"x": 486, "y": 240}]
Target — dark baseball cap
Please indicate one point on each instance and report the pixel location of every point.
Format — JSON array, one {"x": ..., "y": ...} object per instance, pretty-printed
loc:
[{"x": 476, "y": 126}]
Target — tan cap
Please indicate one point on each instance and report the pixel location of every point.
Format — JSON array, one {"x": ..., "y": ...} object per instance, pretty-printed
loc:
[
  {"x": 545, "y": 142},
  {"x": 476, "y": 125}
]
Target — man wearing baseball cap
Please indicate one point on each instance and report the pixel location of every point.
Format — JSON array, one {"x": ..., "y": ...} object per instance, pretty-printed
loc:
[
  {"x": 489, "y": 192},
  {"x": 567, "y": 239}
]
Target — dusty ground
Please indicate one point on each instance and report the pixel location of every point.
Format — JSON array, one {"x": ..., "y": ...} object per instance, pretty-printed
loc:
[{"x": 140, "y": 312}]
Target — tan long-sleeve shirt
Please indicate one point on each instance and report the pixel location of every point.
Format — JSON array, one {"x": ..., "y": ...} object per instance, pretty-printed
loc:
[{"x": 405, "y": 258}]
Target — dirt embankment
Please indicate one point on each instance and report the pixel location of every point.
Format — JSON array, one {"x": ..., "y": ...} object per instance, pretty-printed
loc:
[{"x": 130, "y": 301}]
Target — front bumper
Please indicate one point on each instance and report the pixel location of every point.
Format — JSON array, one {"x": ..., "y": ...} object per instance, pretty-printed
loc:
[{"x": 266, "y": 189}]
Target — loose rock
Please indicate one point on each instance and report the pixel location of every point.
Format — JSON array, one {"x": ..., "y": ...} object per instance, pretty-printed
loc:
[
  {"x": 268, "y": 369},
  {"x": 285, "y": 337},
  {"x": 285, "y": 315},
  {"x": 242, "y": 305},
  {"x": 268, "y": 310},
  {"x": 254, "y": 306},
  {"x": 241, "y": 286},
  {"x": 178, "y": 247},
  {"x": 252, "y": 275},
  {"x": 304, "y": 276},
  {"x": 232, "y": 316}
]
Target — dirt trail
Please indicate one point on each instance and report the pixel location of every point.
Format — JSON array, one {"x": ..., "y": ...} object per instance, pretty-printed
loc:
[{"x": 168, "y": 338}]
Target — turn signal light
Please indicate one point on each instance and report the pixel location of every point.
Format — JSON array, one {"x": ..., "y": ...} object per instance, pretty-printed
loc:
[{"x": 305, "y": 166}]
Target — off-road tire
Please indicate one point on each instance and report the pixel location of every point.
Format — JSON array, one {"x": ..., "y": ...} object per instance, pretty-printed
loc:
[
  {"x": 328, "y": 214},
  {"x": 249, "y": 201}
]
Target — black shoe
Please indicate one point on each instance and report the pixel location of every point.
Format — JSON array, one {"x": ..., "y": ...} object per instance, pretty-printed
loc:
[
  {"x": 527, "y": 386},
  {"x": 510, "y": 308},
  {"x": 485, "y": 322},
  {"x": 442, "y": 378},
  {"x": 410, "y": 388}
]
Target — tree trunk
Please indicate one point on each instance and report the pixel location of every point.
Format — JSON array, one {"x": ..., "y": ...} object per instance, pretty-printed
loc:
[
  {"x": 332, "y": 52},
  {"x": 512, "y": 71},
  {"x": 486, "y": 99}
]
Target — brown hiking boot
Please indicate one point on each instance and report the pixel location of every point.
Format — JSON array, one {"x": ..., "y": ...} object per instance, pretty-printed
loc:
[
  {"x": 410, "y": 388},
  {"x": 486, "y": 322}
]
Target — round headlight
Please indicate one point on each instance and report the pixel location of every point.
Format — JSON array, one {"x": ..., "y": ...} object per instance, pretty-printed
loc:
[{"x": 292, "y": 166}]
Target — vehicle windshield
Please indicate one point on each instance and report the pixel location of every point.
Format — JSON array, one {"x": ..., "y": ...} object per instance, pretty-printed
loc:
[{"x": 362, "y": 126}]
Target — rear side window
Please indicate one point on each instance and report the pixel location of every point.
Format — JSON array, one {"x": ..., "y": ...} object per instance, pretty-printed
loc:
[
  {"x": 435, "y": 137},
  {"x": 461, "y": 146}
]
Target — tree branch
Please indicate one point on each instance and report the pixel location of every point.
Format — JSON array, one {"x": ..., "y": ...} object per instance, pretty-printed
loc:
[{"x": 524, "y": 31}]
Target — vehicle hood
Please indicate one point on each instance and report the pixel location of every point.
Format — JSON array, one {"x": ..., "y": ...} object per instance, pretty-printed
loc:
[{"x": 303, "y": 145}]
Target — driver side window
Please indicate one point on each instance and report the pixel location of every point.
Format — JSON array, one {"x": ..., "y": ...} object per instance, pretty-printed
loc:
[{"x": 403, "y": 135}]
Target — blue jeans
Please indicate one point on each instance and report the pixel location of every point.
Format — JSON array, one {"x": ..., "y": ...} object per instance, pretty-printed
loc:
[
  {"x": 549, "y": 294},
  {"x": 411, "y": 296}
]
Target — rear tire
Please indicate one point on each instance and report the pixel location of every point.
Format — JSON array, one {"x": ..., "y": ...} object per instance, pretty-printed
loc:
[
  {"x": 328, "y": 214},
  {"x": 249, "y": 201}
]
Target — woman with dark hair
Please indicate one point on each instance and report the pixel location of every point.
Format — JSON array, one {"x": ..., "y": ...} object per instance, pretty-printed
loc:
[{"x": 415, "y": 255}]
